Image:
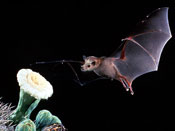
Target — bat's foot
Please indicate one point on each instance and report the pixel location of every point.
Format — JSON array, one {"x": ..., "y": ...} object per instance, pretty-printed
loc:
[
  {"x": 131, "y": 90},
  {"x": 132, "y": 93},
  {"x": 126, "y": 84}
]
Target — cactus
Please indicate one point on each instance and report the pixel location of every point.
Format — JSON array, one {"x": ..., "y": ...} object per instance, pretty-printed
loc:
[
  {"x": 25, "y": 106},
  {"x": 33, "y": 88},
  {"x": 5, "y": 112},
  {"x": 44, "y": 118},
  {"x": 26, "y": 125}
]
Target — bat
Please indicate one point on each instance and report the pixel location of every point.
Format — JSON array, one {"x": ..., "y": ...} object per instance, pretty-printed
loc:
[{"x": 139, "y": 53}]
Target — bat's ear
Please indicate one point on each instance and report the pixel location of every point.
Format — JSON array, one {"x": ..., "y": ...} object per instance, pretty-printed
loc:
[{"x": 84, "y": 57}]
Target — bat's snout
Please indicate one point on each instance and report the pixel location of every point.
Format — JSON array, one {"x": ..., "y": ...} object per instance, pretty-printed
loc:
[{"x": 83, "y": 68}]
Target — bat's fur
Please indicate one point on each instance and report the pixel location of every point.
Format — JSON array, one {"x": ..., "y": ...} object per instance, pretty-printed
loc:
[
  {"x": 98, "y": 65},
  {"x": 103, "y": 66}
]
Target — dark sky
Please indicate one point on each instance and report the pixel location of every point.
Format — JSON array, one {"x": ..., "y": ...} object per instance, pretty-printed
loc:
[{"x": 38, "y": 31}]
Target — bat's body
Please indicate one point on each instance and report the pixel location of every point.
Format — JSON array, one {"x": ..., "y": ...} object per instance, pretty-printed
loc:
[
  {"x": 107, "y": 68},
  {"x": 140, "y": 52},
  {"x": 108, "y": 72}
]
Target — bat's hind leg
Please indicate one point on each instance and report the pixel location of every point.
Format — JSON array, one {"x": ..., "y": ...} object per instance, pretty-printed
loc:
[{"x": 126, "y": 84}]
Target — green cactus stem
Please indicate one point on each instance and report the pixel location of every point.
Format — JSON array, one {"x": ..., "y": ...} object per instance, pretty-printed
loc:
[
  {"x": 26, "y": 105},
  {"x": 45, "y": 118},
  {"x": 26, "y": 125}
]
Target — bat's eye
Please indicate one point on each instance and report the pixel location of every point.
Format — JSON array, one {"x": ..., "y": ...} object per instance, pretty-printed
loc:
[
  {"x": 89, "y": 66},
  {"x": 93, "y": 63}
]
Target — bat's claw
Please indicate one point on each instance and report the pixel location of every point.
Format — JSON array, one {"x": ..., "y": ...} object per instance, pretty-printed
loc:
[
  {"x": 128, "y": 38},
  {"x": 131, "y": 90},
  {"x": 132, "y": 93},
  {"x": 123, "y": 40},
  {"x": 127, "y": 89}
]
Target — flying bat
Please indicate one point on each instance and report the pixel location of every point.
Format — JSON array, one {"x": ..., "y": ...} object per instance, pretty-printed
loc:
[{"x": 139, "y": 53}]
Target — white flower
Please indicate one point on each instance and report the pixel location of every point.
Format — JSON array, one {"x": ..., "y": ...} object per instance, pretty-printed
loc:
[{"x": 34, "y": 84}]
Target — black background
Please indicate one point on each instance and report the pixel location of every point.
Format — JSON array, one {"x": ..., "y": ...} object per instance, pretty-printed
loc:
[{"x": 41, "y": 31}]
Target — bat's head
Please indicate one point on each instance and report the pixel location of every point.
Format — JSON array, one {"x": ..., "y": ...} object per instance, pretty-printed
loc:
[{"x": 90, "y": 63}]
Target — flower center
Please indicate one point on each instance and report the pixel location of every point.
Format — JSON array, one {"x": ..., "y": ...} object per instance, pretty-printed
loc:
[{"x": 36, "y": 79}]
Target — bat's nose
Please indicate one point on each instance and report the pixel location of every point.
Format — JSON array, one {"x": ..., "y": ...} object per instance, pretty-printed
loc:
[{"x": 82, "y": 68}]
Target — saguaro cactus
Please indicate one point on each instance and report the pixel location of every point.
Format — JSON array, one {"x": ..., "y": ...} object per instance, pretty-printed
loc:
[
  {"x": 33, "y": 88},
  {"x": 26, "y": 125},
  {"x": 5, "y": 112},
  {"x": 44, "y": 119}
]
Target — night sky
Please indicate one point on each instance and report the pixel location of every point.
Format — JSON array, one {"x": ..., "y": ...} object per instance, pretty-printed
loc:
[{"x": 39, "y": 31}]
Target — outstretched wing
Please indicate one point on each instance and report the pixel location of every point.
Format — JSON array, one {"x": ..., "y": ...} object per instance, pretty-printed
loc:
[{"x": 141, "y": 51}]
